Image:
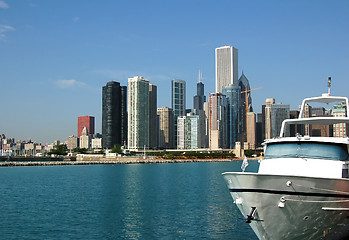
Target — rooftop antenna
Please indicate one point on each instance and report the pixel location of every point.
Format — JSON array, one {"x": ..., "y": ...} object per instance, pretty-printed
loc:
[
  {"x": 329, "y": 86},
  {"x": 200, "y": 77}
]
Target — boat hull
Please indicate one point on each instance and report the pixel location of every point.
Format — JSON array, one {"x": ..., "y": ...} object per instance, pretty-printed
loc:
[{"x": 290, "y": 207}]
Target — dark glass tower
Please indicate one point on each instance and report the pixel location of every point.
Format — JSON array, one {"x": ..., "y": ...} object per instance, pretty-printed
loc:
[
  {"x": 153, "y": 117},
  {"x": 114, "y": 115},
  {"x": 200, "y": 98},
  {"x": 178, "y": 88},
  {"x": 246, "y": 106},
  {"x": 123, "y": 130},
  {"x": 234, "y": 125}
]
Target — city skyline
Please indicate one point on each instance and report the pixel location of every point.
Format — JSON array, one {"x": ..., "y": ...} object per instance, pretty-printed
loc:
[{"x": 54, "y": 63}]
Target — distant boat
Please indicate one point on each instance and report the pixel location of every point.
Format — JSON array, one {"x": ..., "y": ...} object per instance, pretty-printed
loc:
[{"x": 301, "y": 190}]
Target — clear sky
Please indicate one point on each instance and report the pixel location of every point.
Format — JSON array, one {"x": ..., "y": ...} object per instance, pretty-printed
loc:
[{"x": 55, "y": 56}]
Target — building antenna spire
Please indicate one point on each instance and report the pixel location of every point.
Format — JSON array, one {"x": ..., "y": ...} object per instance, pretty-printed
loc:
[{"x": 200, "y": 76}]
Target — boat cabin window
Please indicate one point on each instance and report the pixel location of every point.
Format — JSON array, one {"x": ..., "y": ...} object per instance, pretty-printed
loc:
[{"x": 316, "y": 150}]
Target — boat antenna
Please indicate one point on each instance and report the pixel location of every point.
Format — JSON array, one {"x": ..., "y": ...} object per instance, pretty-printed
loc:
[{"x": 329, "y": 86}]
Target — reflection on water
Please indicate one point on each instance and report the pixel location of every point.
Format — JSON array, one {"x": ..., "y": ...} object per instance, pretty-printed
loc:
[{"x": 172, "y": 201}]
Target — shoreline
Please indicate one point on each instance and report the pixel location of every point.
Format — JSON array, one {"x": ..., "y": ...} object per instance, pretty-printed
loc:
[{"x": 64, "y": 162}]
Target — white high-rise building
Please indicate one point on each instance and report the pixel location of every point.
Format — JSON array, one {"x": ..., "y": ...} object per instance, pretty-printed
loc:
[
  {"x": 85, "y": 139},
  {"x": 181, "y": 132},
  {"x": 190, "y": 131},
  {"x": 138, "y": 113},
  {"x": 268, "y": 130},
  {"x": 226, "y": 67}
]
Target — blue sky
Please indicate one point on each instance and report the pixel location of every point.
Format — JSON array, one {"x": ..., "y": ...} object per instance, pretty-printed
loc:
[{"x": 55, "y": 56}]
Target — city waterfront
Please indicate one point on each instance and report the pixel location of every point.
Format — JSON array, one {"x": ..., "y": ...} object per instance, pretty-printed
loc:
[{"x": 131, "y": 201}]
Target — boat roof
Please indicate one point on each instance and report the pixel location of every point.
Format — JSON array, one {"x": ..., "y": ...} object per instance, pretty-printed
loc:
[
  {"x": 325, "y": 98},
  {"x": 308, "y": 139}
]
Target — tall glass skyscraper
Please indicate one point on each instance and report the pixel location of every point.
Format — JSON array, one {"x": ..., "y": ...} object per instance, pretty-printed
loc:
[
  {"x": 123, "y": 130},
  {"x": 177, "y": 101},
  {"x": 245, "y": 104},
  {"x": 153, "y": 117},
  {"x": 114, "y": 116},
  {"x": 275, "y": 114},
  {"x": 226, "y": 66},
  {"x": 279, "y": 112},
  {"x": 200, "y": 98},
  {"x": 234, "y": 130}
]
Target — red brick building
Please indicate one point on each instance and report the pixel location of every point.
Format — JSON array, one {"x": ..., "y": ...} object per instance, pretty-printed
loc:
[{"x": 87, "y": 121}]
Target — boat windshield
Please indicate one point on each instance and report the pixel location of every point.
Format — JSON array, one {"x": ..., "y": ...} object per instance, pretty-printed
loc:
[{"x": 328, "y": 151}]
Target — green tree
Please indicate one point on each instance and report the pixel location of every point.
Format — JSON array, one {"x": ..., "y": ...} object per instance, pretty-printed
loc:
[
  {"x": 116, "y": 149},
  {"x": 59, "y": 150},
  {"x": 249, "y": 152},
  {"x": 79, "y": 150}
]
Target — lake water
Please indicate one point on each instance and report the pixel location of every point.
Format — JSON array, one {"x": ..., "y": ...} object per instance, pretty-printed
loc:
[{"x": 135, "y": 201}]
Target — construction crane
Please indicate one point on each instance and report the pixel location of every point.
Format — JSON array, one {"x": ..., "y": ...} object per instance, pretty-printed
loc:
[{"x": 246, "y": 104}]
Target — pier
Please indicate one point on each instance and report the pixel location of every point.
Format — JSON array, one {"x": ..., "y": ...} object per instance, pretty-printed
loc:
[{"x": 60, "y": 161}]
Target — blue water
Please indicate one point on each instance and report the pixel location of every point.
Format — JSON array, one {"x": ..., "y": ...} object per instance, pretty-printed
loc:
[{"x": 136, "y": 201}]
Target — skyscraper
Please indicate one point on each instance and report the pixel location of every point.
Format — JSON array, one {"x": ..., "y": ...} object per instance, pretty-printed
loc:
[
  {"x": 166, "y": 135},
  {"x": 267, "y": 115},
  {"x": 153, "y": 117},
  {"x": 251, "y": 133},
  {"x": 275, "y": 114},
  {"x": 138, "y": 113},
  {"x": 206, "y": 124},
  {"x": 177, "y": 102},
  {"x": 217, "y": 121},
  {"x": 190, "y": 132},
  {"x": 226, "y": 66},
  {"x": 260, "y": 128},
  {"x": 85, "y": 139},
  {"x": 181, "y": 132},
  {"x": 200, "y": 98},
  {"x": 72, "y": 142},
  {"x": 245, "y": 105},
  {"x": 234, "y": 114},
  {"x": 114, "y": 115},
  {"x": 279, "y": 112},
  {"x": 88, "y": 122},
  {"x": 123, "y": 107}
]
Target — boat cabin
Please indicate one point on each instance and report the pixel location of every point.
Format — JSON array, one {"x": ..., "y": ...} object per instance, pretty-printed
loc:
[{"x": 308, "y": 155}]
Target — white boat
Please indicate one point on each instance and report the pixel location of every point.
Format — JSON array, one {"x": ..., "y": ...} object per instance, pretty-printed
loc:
[{"x": 301, "y": 190}]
